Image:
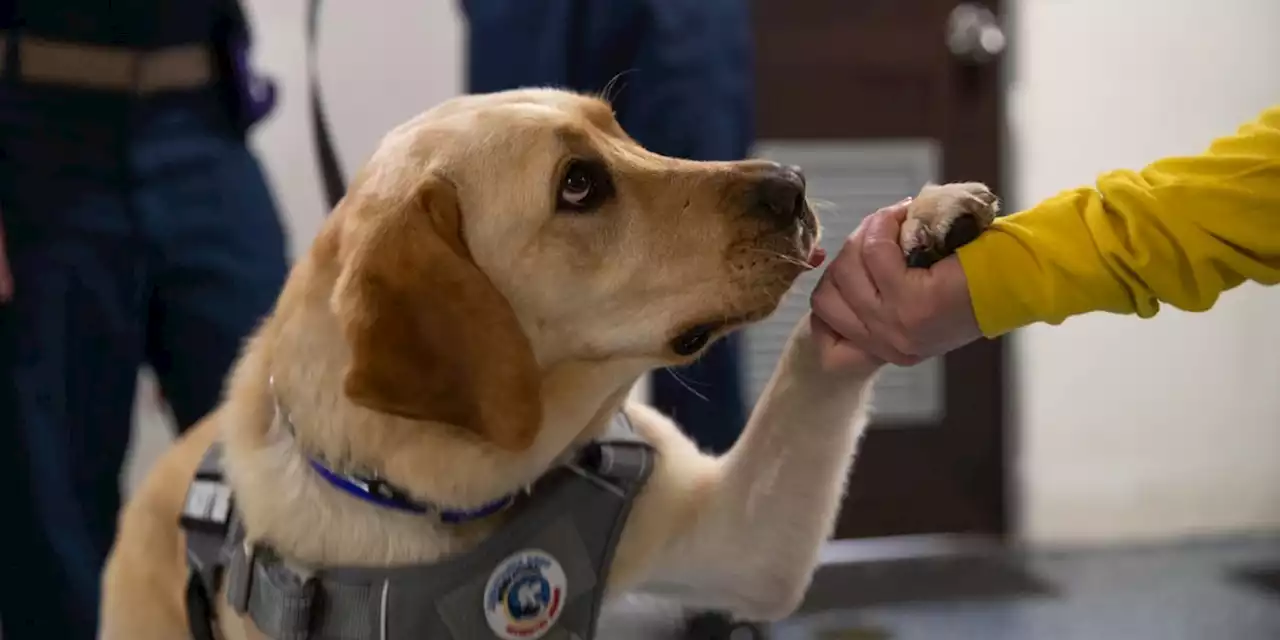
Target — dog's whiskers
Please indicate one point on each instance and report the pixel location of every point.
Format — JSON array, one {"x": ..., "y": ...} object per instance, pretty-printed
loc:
[
  {"x": 686, "y": 384},
  {"x": 823, "y": 205},
  {"x": 606, "y": 94},
  {"x": 780, "y": 256}
]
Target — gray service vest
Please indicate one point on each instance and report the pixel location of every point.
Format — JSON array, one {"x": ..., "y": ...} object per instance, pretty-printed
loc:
[{"x": 541, "y": 575}]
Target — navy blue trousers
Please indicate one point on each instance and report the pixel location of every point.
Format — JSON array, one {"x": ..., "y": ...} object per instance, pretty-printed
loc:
[{"x": 138, "y": 232}]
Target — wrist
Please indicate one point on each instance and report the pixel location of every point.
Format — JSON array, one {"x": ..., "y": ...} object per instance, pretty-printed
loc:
[{"x": 957, "y": 302}]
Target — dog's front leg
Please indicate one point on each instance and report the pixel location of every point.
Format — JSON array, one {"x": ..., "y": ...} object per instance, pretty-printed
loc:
[{"x": 757, "y": 517}]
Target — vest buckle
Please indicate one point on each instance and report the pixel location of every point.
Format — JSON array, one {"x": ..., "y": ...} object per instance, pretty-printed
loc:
[{"x": 278, "y": 599}]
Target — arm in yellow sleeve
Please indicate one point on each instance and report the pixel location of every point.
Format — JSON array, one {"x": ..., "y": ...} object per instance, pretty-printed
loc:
[{"x": 1181, "y": 231}]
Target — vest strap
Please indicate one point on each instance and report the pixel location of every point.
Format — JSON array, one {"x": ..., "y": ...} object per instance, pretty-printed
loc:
[
  {"x": 287, "y": 604},
  {"x": 621, "y": 455},
  {"x": 280, "y": 601},
  {"x": 570, "y": 520}
]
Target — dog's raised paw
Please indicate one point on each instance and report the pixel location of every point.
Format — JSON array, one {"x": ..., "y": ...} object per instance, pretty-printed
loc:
[{"x": 945, "y": 217}]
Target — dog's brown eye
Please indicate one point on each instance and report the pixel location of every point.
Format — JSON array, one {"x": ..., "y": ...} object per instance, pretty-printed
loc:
[
  {"x": 577, "y": 186},
  {"x": 584, "y": 186}
]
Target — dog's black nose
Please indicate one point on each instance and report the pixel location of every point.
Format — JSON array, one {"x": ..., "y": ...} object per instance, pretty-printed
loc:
[{"x": 780, "y": 194}]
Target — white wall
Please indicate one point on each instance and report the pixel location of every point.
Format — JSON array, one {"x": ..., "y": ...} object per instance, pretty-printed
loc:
[
  {"x": 378, "y": 69},
  {"x": 1180, "y": 434}
]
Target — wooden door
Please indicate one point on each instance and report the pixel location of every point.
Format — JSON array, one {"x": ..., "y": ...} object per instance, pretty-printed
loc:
[{"x": 873, "y": 98}]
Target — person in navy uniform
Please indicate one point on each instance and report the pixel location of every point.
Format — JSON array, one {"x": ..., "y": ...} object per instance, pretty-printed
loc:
[{"x": 137, "y": 229}]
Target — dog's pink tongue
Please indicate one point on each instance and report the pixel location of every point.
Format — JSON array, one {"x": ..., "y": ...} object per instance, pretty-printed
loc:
[{"x": 816, "y": 257}]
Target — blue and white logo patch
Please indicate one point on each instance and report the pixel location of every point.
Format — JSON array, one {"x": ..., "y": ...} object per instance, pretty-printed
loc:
[{"x": 525, "y": 595}]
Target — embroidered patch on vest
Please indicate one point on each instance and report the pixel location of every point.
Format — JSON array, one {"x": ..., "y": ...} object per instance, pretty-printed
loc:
[{"x": 525, "y": 595}]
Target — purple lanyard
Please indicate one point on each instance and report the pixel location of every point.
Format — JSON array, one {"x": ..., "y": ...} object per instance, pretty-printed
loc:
[{"x": 257, "y": 92}]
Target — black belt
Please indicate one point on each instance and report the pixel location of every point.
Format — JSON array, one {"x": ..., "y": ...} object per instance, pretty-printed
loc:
[
  {"x": 330, "y": 171},
  {"x": 110, "y": 68}
]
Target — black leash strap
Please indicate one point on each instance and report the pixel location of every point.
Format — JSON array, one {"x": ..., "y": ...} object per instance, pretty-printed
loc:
[{"x": 330, "y": 171}]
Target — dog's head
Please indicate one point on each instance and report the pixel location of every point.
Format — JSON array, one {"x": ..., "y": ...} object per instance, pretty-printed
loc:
[{"x": 497, "y": 235}]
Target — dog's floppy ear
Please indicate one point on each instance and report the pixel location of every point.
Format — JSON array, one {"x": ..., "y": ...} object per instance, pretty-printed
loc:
[{"x": 430, "y": 336}]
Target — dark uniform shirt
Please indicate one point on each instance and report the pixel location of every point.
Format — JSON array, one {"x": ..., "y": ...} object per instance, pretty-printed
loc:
[{"x": 142, "y": 24}]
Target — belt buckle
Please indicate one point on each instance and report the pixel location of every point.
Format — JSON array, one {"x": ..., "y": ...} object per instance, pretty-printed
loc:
[
  {"x": 138, "y": 70},
  {"x": 240, "y": 575}
]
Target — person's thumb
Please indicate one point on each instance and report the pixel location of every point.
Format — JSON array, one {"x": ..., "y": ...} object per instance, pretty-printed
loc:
[{"x": 882, "y": 252}]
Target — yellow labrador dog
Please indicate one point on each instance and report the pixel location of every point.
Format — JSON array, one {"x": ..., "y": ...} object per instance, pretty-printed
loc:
[{"x": 499, "y": 275}]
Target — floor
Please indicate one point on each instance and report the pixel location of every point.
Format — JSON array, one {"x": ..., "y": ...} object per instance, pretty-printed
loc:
[{"x": 1188, "y": 591}]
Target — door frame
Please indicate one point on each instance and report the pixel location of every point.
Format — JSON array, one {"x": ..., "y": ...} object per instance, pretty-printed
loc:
[{"x": 971, "y": 136}]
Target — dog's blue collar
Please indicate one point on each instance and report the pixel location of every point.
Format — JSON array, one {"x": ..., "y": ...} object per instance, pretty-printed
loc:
[
  {"x": 377, "y": 491},
  {"x": 385, "y": 494}
]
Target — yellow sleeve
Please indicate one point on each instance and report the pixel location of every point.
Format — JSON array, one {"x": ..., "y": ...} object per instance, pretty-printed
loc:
[{"x": 1181, "y": 231}]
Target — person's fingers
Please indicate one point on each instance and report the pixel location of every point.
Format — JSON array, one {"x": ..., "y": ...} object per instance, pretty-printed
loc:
[
  {"x": 897, "y": 210},
  {"x": 882, "y": 257},
  {"x": 850, "y": 279},
  {"x": 822, "y": 332},
  {"x": 830, "y": 306},
  {"x": 849, "y": 302},
  {"x": 876, "y": 236},
  {"x": 838, "y": 354}
]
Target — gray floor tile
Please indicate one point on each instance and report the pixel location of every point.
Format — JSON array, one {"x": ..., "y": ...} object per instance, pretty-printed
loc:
[{"x": 1176, "y": 592}]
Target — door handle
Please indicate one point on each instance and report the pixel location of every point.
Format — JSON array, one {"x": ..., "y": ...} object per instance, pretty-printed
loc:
[{"x": 974, "y": 35}]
